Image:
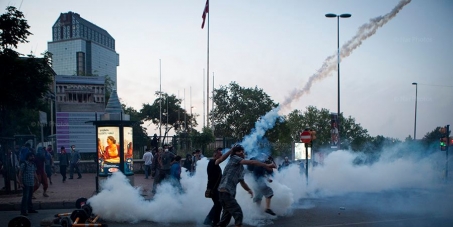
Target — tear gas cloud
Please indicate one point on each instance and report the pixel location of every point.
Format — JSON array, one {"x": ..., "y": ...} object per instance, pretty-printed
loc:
[{"x": 337, "y": 176}]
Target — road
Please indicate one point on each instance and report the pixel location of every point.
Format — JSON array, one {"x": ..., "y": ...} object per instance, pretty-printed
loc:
[{"x": 411, "y": 208}]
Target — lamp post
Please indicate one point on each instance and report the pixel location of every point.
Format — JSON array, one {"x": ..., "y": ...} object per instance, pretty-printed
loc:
[
  {"x": 415, "y": 121},
  {"x": 344, "y": 15}
]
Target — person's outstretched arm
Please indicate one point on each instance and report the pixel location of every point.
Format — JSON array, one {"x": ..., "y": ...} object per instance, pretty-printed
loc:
[{"x": 224, "y": 156}]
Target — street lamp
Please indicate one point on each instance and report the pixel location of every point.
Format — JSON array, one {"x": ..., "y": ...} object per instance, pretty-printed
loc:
[
  {"x": 415, "y": 121},
  {"x": 344, "y": 15}
]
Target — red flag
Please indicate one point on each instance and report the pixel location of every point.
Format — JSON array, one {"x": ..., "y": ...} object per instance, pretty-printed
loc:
[{"x": 205, "y": 11}]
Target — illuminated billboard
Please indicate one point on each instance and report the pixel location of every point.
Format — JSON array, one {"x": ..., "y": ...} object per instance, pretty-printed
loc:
[
  {"x": 299, "y": 151},
  {"x": 108, "y": 150},
  {"x": 128, "y": 151}
]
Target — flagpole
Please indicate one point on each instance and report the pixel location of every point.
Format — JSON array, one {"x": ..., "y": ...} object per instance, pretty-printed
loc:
[
  {"x": 207, "y": 90},
  {"x": 204, "y": 100},
  {"x": 160, "y": 102},
  {"x": 212, "y": 99}
]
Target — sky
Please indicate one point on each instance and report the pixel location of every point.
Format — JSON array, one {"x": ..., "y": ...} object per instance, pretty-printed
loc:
[{"x": 276, "y": 46}]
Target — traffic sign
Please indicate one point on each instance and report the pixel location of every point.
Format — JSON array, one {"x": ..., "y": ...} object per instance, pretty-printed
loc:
[{"x": 305, "y": 137}]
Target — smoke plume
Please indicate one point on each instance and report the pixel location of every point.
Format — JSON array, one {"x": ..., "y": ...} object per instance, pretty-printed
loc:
[
  {"x": 121, "y": 202},
  {"x": 330, "y": 64}
]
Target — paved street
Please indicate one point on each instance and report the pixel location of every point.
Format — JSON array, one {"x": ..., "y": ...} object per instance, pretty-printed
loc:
[{"x": 397, "y": 208}]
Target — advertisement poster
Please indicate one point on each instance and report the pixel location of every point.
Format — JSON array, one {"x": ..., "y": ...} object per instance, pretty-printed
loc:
[
  {"x": 334, "y": 136},
  {"x": 108, "y": 150},
  {"x": 128, "y": 149},
  {"x": 299, "y": 151}
]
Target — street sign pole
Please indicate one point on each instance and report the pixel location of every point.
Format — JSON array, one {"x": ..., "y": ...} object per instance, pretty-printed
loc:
[
  {"x": 446, "y": 153},
  {"x": 306, "y": 162}
]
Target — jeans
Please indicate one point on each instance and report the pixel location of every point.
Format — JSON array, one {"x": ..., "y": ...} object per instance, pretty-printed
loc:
[
  {"x": 147, "y": 170},
  {"x": 231, "y": 208},
  {"x": 71, "y": 170},
  {"x": 27, "y": 194}
]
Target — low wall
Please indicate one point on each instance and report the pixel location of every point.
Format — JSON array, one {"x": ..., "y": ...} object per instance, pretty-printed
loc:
[{"x": 86, "y": 166}]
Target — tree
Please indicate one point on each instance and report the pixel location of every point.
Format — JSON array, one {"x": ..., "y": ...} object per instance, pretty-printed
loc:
[
  {"x": 173, "y": 117},
  {"x": 237, "y": 109},
  {"x": 352, "y": 134},
  {"x": 14, "y": 30},
  {"x": 432, "y": 139},
  {"x": 24, "y": 81},
  {"x": 202, "y": 139}
]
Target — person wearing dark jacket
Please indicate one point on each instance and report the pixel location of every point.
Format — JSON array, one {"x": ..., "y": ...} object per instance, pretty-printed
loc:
[
  {"x": 64, "y": 162},
  {"x": 214, "y": 176}
]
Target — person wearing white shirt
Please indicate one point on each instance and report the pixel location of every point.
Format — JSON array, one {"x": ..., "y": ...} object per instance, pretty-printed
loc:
[{"x": 148, "y": 158}]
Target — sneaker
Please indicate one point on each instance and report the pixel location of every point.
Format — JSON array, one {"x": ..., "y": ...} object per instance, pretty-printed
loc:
[
  {"x": 79, "y": 177},
  {"x": 269, "y": 211},
  {"x": 45, "y": 194},
  {"x": 32, "y": 211}
]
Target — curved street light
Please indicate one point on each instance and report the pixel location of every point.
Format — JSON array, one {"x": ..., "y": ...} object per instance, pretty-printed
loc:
[{"x": 344, "y": 15}]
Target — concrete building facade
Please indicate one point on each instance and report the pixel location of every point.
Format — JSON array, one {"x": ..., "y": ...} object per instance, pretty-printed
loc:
[{"x": 81, "y": 48}]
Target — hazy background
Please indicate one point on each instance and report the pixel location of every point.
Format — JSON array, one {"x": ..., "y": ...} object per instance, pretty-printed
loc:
[{"x": 276, "y": 46}]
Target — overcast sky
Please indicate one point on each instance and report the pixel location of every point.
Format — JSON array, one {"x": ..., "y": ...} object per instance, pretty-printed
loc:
[{"x": 276, "y": 46}]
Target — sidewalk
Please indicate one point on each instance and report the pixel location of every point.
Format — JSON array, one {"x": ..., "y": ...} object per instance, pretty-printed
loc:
[{"x": 64, "y": 195}]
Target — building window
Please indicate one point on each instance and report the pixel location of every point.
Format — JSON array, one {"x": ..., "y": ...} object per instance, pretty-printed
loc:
[{"x": 80, "y": 63}]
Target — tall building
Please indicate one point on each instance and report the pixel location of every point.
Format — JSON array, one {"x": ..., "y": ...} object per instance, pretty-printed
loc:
[{"x": 80, "y": 48}]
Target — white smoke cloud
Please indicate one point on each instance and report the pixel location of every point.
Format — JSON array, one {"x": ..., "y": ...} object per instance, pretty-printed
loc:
[
  {"x": 330, "y": 64},
  {"x": 337, "y": 176},
  {"x": 119, "y": 201}
]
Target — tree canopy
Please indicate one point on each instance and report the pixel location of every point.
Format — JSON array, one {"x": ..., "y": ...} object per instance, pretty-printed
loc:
[
  {"x": 173, "y": 115},
  {"x": 25, "y": 81},
  {"x": 237, "y": 109}
]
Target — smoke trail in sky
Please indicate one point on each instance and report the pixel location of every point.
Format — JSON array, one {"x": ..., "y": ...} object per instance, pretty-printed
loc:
[
  {"x": 364, "y": 32},
  {"x": 119, "y": 201},
  {"x": 261, "y": 126},
  {"x": 330, "y": 64}
]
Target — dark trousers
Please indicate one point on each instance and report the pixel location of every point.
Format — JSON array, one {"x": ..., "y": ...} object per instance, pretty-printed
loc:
[
  {"x": 231, "y": 208},
  {"x": 63, "y": 171},
  {"x": 216, "y": 210},
  {"x": 48, "y": 169},
  {"x": 71, "y": 170},
  {"x": 147, "y": 170},
  {"x": 27, "y": 194}
]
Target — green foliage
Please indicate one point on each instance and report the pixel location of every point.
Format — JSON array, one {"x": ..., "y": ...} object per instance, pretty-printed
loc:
[
  {"x": 432, "y": 139},
  {"x": 13, "y": 29},
  {"x": 173, "y": 116},
  {"x": 237, "y": 109},
  {"x": 352, "y": 135},
  {"x": 24, "y": 81},
  {"x": 202, "y": 139},
  {"x": 140, "y": 136}
]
